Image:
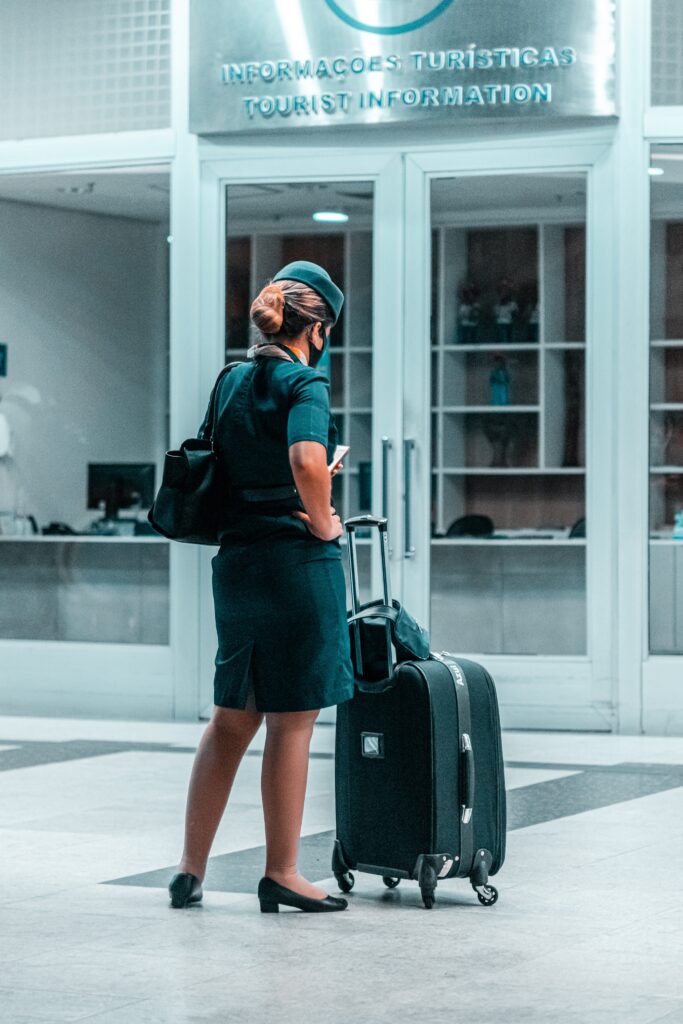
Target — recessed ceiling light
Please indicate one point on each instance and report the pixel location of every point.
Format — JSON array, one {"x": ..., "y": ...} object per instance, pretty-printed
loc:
[
  {"x": 654, "y": 171},
  {"x": 331, "y": 216}
]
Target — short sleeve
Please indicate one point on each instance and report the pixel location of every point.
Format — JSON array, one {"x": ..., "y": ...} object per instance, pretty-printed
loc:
[{"x": 309, "y": 411}]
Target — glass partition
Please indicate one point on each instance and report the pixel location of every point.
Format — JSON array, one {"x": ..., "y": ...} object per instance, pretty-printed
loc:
[
  {"x": 269, "y": 225},
  {"x": 84, "y": 412},
  {"x": 666, "y": 401},
  {"x": 508, "y": 414}
]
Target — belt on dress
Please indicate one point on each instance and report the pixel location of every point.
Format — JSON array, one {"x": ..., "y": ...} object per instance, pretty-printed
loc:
[{"x": 268, "y": 493}]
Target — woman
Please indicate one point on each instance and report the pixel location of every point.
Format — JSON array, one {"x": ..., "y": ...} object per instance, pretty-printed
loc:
[{"x": 278, "y": 585}]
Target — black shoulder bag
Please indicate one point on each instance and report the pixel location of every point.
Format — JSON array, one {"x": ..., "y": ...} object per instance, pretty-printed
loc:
[{"x": 191, "y": 494}]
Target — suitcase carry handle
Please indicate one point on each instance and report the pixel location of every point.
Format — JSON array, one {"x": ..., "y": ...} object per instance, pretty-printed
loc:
[
  {"x": 467, "y": 776},
  {"x": 366, "y": 520}
]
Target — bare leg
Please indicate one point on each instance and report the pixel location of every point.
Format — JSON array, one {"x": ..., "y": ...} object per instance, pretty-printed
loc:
[
  {"x": 283, "y": 787},
  {"x": 218, "y": 757}
]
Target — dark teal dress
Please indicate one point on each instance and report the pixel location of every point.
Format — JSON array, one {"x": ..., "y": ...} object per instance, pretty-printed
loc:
[{"x": 279, "y": 592}]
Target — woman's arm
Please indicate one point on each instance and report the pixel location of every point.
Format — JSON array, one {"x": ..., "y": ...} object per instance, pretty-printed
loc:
[{"x": 313, "y": 480}]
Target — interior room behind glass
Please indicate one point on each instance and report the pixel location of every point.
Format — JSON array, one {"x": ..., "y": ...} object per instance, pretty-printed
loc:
[
  {"x": 508, "y": 337},
  {"x": 666, "y": 400},
  {"x": 84, "y": 413}
]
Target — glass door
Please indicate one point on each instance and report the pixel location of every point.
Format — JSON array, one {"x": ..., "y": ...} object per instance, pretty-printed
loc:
[
  {"x": 459, "y": 376},
  {"x": 345, "y": 219},
  {"x": 508, "y": 462},
  {"x": 330, "y": 223},
  {"x": 508, "y": 505},
  {"x": 666, "y": 402}
]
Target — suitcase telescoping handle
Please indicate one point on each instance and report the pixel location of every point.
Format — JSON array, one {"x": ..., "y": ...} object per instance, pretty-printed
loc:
[{"x": 351, "y": 524}]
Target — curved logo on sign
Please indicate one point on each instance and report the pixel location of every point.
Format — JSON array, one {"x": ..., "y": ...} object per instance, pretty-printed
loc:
[{"x": 431, "y": 12}]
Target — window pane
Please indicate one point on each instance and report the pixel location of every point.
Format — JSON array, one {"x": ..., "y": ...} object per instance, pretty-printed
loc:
[
  {"x": 84, "y": 397},
  {"x": 508, "y": 415},
  {"x": 269, "y": 225},
  {"x": 666, "y": 401}
]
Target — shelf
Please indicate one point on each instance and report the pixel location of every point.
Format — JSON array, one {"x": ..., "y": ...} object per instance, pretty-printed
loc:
[
  {"x": 565, "y": 344},
  {"x": 345, "y": 349},
  {"x": 667, "y": 343},
  {"x": 509, "y": 541},
  {"x": 510, "y": 471},
  {"x": 666, "y": 469},
  {"x": 666, "y": 406},
  {"x": 340, "y": 410},
  {"x": 489, "y": 346},
  {"x": 512, "y": 346},
  {"x": 486, "y": 408}
]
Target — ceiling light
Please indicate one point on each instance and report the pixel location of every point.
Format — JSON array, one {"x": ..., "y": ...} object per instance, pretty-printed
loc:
[
  {"x": 331, "y": 216},
  {"x": 654, "y": 171}
]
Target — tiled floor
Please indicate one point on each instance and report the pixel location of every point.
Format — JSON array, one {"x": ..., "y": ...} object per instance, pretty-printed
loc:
[{"x": 588, "y": 928}]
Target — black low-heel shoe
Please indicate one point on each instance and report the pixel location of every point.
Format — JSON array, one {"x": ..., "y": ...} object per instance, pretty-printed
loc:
[
  {"x": 184, "y": 888},
  {"x": 271, "y": 895}
]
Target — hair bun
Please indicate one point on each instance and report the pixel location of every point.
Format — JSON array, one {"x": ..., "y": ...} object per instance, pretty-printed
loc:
[{"x": 267, "y": 309}]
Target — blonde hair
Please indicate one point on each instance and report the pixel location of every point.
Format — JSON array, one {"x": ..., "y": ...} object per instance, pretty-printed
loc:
[{"x": 284, "y": 309}]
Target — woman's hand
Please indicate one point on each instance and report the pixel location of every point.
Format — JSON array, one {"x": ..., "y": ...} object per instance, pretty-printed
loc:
[
  {"x": 313, "y": 480},
  {"x": 336, "y": 529},
  {"x": 333, "y": 472}
]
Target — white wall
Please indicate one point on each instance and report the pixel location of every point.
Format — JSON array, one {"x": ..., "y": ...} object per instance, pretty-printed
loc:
[{"x": 84, "y": 312}]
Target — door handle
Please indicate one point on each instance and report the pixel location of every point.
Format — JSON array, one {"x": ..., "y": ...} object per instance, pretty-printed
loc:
[
  {"x": 387, "y": 445},
  {"x": 408, "y": 447}
]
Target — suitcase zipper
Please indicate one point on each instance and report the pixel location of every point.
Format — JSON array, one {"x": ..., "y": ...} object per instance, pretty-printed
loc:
[
  {"x": 465, "y": 744},
  {"x": 495, "y": 721}
]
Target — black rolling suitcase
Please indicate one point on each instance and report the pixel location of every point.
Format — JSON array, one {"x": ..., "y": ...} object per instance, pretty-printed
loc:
[{"x": 419, "y": 781}]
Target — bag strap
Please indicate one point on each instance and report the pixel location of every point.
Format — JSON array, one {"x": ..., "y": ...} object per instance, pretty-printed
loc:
[
  {"x": 209, "y": 419},
  {"x": 378, "y": 611}
]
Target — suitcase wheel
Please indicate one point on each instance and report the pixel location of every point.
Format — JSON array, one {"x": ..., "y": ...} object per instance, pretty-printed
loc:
[
  {"x": 486, "y": 894},
  {"x": 345, "y": 881},
  {"x": 390, "y": 882},
  {"x": 427, "y": 879}
]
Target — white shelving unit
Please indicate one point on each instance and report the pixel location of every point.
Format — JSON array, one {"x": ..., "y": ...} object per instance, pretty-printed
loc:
[
  {"x": 489, "y": 593},
  {"x": 666, "y": 437},
  {"x": 351, "y": 351},
  {"x": 538, "y": 406}
]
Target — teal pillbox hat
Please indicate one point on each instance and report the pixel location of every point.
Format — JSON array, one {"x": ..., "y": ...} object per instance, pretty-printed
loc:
[{"x": 318, "y": 279}]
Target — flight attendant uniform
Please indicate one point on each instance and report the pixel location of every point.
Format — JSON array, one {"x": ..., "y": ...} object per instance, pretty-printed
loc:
[{"x": 279, "y": 591}]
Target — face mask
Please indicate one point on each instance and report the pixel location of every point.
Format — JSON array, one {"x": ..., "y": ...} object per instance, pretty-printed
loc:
[{"x": 315, "y": 354}]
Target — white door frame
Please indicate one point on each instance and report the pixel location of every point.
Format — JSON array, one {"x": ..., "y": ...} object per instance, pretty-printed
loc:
[
  {"x": 241, "y": 166},
  {"x": 542, "y": 692}
]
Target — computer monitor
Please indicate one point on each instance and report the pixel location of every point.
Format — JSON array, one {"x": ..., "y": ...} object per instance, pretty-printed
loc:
[{"x": 120, "y": 485}]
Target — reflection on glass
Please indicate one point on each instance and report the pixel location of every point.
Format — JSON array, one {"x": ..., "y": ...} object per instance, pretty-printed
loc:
[
  {"x": 666, "y": 401},
  {"x": 508, "y": 414},
  {"x": 272, "y": 224}
]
